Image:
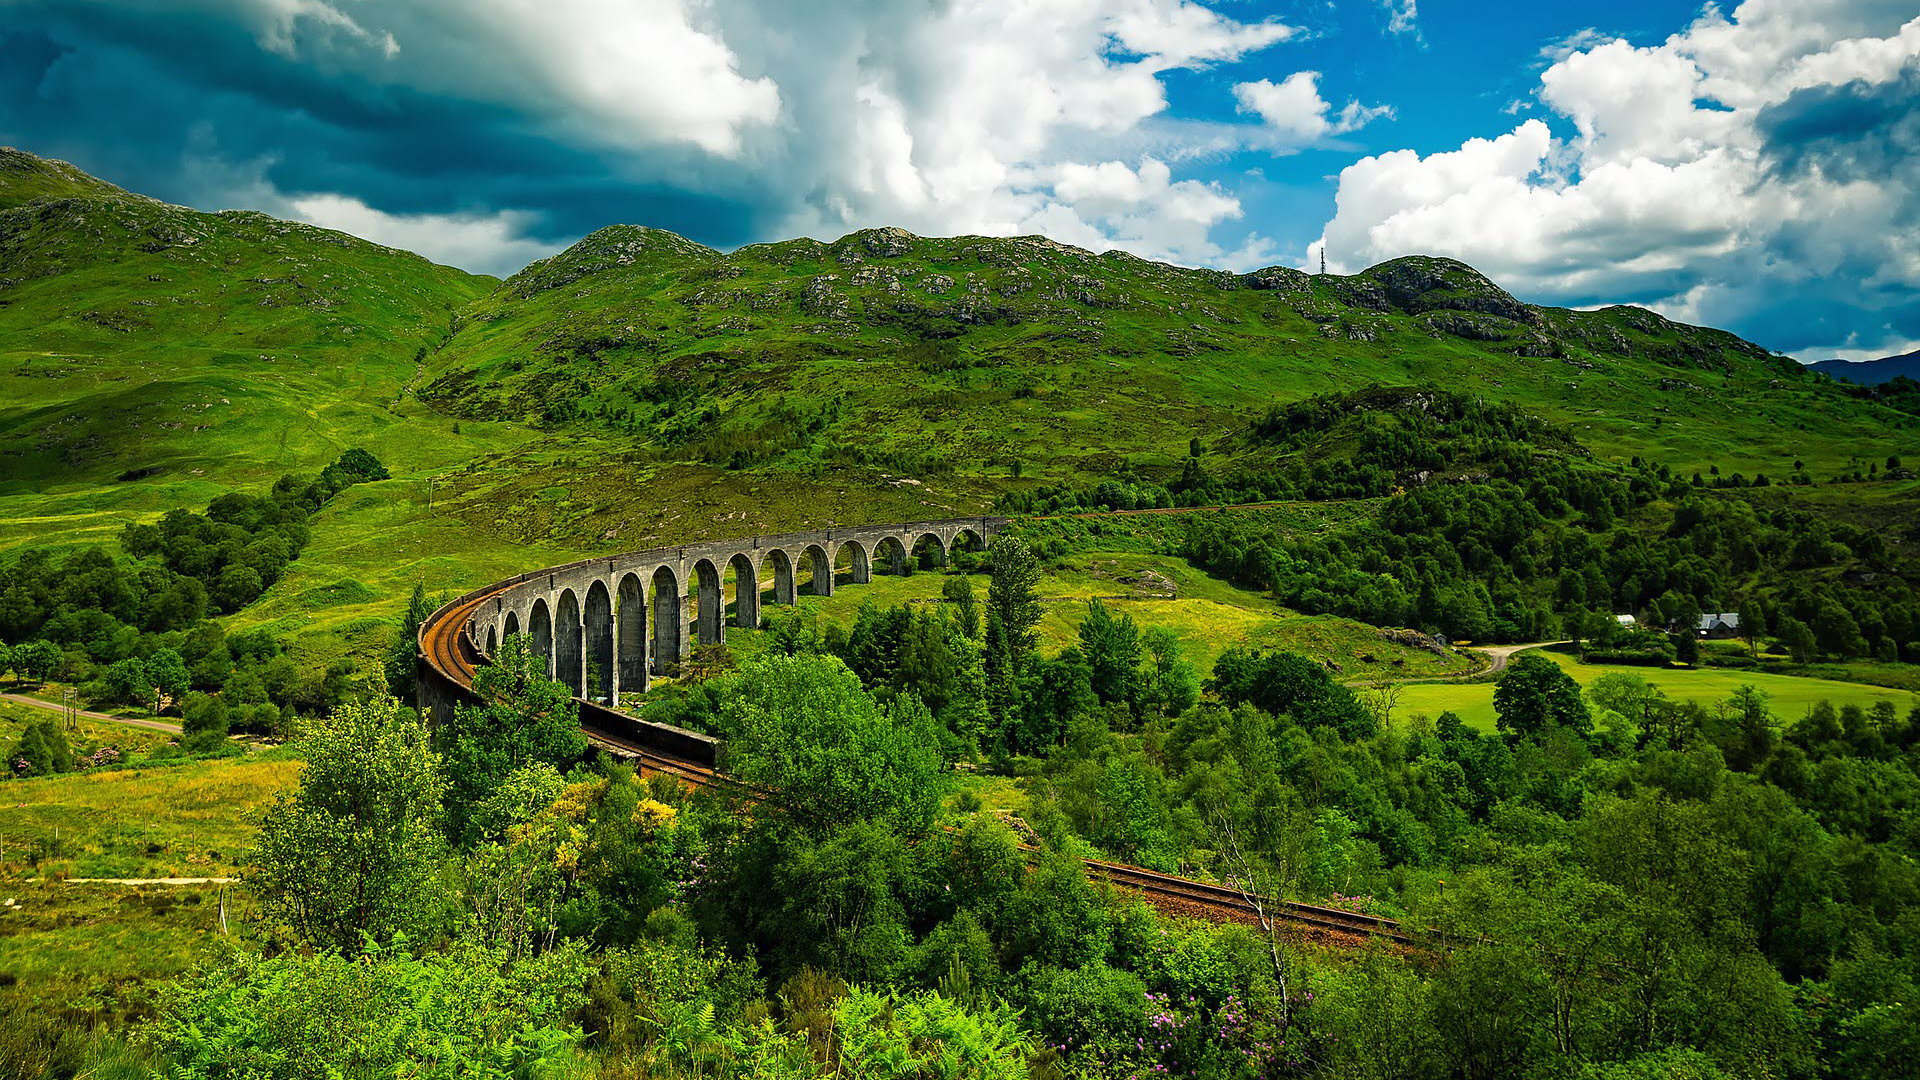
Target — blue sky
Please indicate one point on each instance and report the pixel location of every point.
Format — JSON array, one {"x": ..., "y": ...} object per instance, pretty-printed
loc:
[{"x": 1750, "y": 166}]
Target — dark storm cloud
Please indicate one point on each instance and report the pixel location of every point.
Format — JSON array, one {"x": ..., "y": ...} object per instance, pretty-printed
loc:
[
  {"x": 1861, "y": 130},
  {"x": 1863, "y": 133},
  {"x": 189, "y": 108}
]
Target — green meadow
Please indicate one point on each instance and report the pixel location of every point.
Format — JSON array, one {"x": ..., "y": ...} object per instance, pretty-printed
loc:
[
  {"x": 1789, "y": 695},
  {"x": 84, "y": 734},
  {"x": 1206, "y": 615},
  {"x": 190, "y": 818}
]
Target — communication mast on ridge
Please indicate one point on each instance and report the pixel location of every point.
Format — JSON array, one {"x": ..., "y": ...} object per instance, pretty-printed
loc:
[{"x": 1323, "y": 258}]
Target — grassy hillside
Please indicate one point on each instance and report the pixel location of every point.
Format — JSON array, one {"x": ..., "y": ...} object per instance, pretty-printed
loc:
[
  {"x": 1208, "y": 616},
  {"x": 151, "y": 355},
  {"x": 640, "y": 388},
  {"x": 25, "y": 178},
  {"x": 944, "y": 359}
]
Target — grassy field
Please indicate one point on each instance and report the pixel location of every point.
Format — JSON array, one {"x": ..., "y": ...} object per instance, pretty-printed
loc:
[
  {"x": 84, "y": 736},
  {"x": 191, "y": 819},
  {"x": 1207, "y": 615},
  {"x": 103, "y": 953},
  {"x": 1791, "y": 696}
]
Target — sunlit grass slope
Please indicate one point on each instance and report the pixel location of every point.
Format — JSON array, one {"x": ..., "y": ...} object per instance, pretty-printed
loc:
[
  {"x": 1790, "y": 696},
  {"x": 1206, "y": 615},
  {"x": 928, "y": 355}
]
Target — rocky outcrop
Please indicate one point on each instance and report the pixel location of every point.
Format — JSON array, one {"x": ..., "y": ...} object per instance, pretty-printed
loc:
[
  {"x": 1421, "y": 283},
  {"x": 611, "y": 248}
]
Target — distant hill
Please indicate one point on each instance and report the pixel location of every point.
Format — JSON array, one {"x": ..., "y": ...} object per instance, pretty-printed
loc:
[
  {"x": 137, "y": 336},
  {"x": 1872, "y": 372},
  {"x": 926, "y": 357},
  {"x": 640, "y": 385}
]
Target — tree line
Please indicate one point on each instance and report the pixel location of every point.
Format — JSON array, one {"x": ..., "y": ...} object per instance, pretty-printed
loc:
[{"x": 137, "y": 628}]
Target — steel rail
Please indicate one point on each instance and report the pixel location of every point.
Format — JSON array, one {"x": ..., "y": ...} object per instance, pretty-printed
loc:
[{"x": 446, "y": 646}]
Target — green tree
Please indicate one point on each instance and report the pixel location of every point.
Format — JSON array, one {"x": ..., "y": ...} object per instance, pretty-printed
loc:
[
  {"x": 1745, "y": 729},
  {"x": 352, "y": 850},
  {"x": 1112, "y": 649},
  {"x": 124, "y": 682},
  {"x": 207, "y": 722},
  {"x": 1686, "y": 647},
  {"x": 1173, "y": 685},
  {"x": 1056, "y": 691},
  {"x": 404, "y": 653},
  {"x": 1627, "y": 694},
  {"x": 941, "y": 665},
  {"x": 1535, "y": 694},
  {"x": 41, "y": 750},
  {"x": 957, "y": 590},
  {"x": 1837, "y": 631},
  {"x": 1799, "y": 639},
  {"x": 1288, "y": 684},
  {"x": 526, "y": 718},
  {"x": 805, "y": 727},
  {"x": 1012, "y": 600},
  {"x": 237, "y": 587},
  {"x": 1753, "y": 624},
  {"x": 1013, "y": 613},
  {"x": 360, "y": 464},
  {"x": 37, "y": 659},
  {"x": 168, "y": 679}
]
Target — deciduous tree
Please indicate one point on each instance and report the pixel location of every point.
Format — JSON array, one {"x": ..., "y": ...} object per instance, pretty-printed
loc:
[
  {"x": 351, "y": 851},
  {"x": 526, "y": 718},
  {"x": 1535, "y": 694}
]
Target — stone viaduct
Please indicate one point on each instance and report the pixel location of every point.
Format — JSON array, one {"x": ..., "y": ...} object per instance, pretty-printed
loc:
[{"x": 606, "y": 626}]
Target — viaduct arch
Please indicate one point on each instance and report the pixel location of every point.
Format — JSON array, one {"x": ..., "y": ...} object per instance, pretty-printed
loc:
[{"x": 607, "y": 626}]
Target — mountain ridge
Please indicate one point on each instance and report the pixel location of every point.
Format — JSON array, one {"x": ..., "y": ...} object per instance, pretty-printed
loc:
[
  {"x": 1872, "y": 372},
  {"x": 26, "y": 177},
  {"x": 915, "y": 348},
  {"x": 881, "y": 372}
]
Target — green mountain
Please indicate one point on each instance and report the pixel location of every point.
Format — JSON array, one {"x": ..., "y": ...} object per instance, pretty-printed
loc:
[
  {"x": 139, "y": 337},
  {"x": 930, "y": 358},
  {"x": 153, "y": 356},
  {"x": 639, "y": 386}
]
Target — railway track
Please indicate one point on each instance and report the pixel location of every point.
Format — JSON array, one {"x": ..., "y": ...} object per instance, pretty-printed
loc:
[
  {"x": 652, "y": 760},
  {"x": 1230, "y": 901},
  {"x": 453, "y": 656},
  {"x": 445, "y": 647}
]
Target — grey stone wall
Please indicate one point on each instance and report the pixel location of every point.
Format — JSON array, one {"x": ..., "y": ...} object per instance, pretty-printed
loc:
[{"x": 607, "y": 625}]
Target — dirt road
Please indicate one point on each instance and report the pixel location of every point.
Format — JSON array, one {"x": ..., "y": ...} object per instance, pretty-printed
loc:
[
  {"x": 151, "y": 725},
  {"x": 1497, "y": 657},
  {"x": 1500, "y": 654}
]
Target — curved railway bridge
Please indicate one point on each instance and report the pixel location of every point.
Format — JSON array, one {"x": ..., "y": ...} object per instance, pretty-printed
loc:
[{"x": 607, "y": 625}]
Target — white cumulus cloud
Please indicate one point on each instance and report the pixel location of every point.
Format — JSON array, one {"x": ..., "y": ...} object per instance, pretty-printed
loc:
[
  {"x": 1756, "y": 169},
  {"x": 995, "y": 117},
  {"x": 490, "y": 242},
  {"x": 636, "y": 74},
  {"x": 959, "y": 116},
  {"x": 1294, "y": 108}
]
